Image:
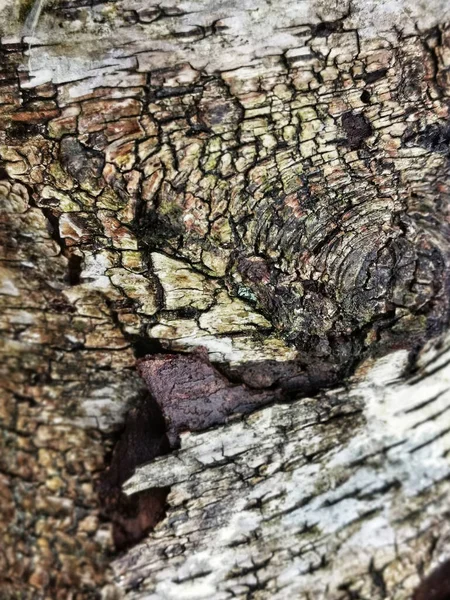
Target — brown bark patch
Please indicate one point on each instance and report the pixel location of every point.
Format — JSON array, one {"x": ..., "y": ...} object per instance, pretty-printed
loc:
[{"x": 193, "y": 395}]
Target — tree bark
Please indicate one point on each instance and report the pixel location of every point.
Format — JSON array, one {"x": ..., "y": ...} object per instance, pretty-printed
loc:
[{"x": 252, "y": 202}]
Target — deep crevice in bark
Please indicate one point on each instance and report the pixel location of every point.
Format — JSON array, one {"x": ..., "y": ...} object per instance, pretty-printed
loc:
[{"x": 142, "y": 439}]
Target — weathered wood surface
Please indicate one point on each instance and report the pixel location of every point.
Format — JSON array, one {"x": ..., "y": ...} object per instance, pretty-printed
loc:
[{"x": 269, "y": 182}]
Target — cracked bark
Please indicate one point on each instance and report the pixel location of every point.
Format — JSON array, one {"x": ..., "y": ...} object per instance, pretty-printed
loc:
[{"x": 270, "y": 184}]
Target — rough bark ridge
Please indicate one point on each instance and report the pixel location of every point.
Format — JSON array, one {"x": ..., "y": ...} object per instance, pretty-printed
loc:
[{"x": 270, "y": 184}]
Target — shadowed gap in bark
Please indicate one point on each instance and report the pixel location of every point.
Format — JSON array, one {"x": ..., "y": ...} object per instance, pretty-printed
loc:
[{"x": 142, "y": 439}]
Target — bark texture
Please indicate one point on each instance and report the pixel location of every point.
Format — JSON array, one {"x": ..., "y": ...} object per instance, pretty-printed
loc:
[
  {"x": 336, "y": 497},
  {"x": 269, "y": 183}
]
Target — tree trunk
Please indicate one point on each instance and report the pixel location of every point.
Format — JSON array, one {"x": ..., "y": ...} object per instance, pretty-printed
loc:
[{"x": 208, "y": 210}]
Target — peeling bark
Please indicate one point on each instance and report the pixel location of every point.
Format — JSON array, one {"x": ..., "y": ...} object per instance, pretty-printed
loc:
[
  {"x": 192, "y": 395},
  {"x": 269, "y": 183}
]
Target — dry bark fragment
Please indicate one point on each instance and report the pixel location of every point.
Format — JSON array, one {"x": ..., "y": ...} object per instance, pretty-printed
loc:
[
  {"x": 192, "y": 395},
  {"x": 339, "y": 496}
]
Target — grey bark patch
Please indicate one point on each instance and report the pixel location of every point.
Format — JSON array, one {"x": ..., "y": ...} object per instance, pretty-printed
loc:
[
  {"x": 434, "y": 137},
  {"x": 83, "y": 164},
  {"x": 335, "y": 468}
]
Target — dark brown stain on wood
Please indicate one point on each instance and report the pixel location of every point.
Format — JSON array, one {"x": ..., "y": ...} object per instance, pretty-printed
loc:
[
  {"x": 437, "y": 585},
  {"x": 143, "y": 438}
]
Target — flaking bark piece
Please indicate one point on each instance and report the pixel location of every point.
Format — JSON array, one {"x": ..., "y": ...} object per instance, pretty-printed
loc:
[{"x": 193, "y": 395}]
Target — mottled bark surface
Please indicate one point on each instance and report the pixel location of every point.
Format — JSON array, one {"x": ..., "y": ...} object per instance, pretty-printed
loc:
[{"x": 267, "y": 183}]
